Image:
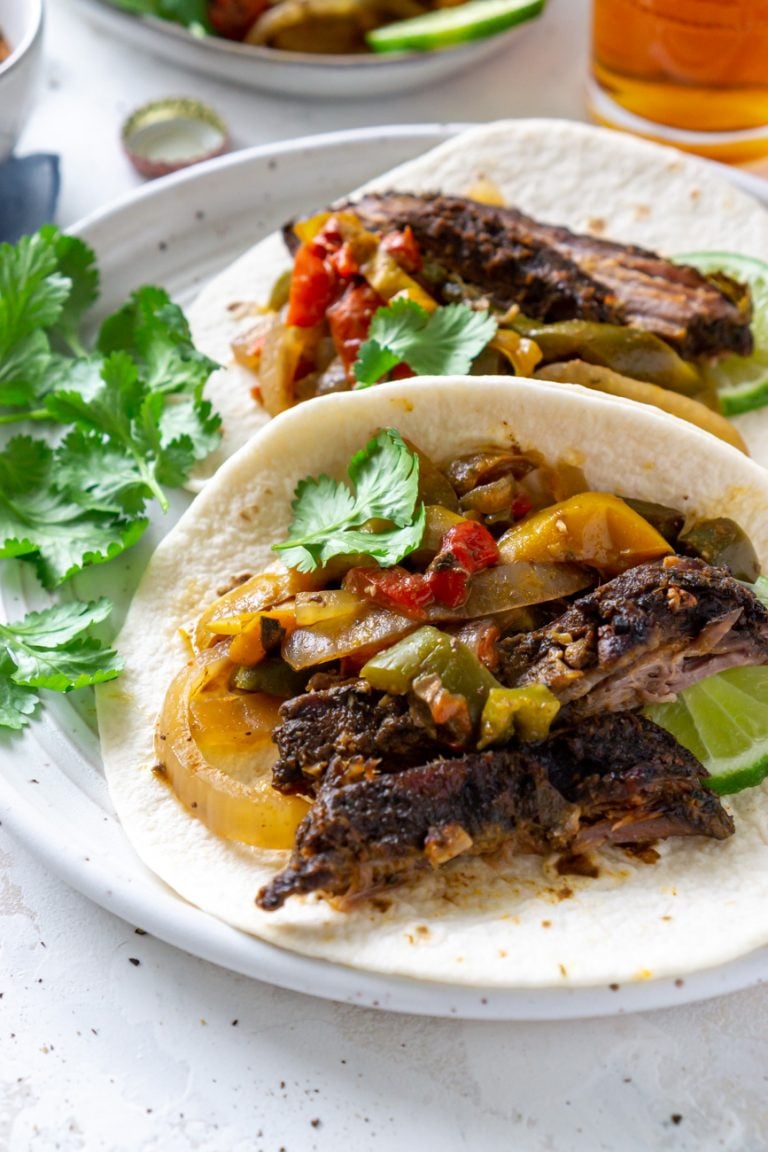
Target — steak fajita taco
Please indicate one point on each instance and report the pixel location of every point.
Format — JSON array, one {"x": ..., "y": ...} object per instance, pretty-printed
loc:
[
  {"x": 575, "y": 244},
  {"x": 396, "y": 682}
]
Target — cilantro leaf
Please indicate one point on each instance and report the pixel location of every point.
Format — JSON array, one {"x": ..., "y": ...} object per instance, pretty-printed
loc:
[
  {"x": 48, "y": 649},
  {"x": 328, "y": 517},
  {"x": 439, "y": 343},
  {"x": 77, "y": 262},
  {"x": 40, "y": 520},
  {"x": 155, "y": 333},
  {"x": 17, "y": 703},
  {"x": 191, "y": 13},
  {"x": 33, "y": 294},
  {"x": 160, "y": 436}
]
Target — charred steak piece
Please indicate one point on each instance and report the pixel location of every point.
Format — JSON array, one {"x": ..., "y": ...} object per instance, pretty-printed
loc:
[
  {"x": 351, "y": 721},
  {"x": 555, "y": 274},
  {"x": 632, "y": 783},
  {"x": 614, "y": 779},
  {"x": 641, "y": 638}
]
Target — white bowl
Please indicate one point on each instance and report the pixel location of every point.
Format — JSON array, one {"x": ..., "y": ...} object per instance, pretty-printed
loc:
[
  {"x": 21, "y": 22},
  {"x": 357, "y": 76}
]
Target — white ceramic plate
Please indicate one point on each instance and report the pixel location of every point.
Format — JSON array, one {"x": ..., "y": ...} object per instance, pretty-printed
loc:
[
  {"x": 178, "y": 232},
  {"x": 293, "y": 73}
]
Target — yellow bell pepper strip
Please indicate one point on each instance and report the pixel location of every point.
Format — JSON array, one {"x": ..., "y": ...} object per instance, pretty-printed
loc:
[
  {"x": 523, "y": 354},
  {"x": 386, "y": 277},
  {"x": 237, "y": 609},
  {"x": 523, "y": 712},
  {"x": 265, "y": 633},
  {"x": 593, "y": 528},
  {"x": 429, "y": 651}
]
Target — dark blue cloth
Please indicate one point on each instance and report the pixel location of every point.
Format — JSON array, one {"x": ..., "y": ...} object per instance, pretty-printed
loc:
[{"x": 29, "y": 191}]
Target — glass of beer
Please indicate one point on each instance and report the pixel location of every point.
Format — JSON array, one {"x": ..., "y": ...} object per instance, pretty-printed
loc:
[{"x": 693, "y": 73}]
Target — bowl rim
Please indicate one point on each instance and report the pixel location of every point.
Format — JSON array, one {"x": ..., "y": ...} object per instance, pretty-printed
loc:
[{"x": 31, "y": 33}]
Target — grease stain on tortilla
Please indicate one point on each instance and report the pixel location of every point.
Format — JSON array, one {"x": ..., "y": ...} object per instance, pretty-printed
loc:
[
  {"x": 643, "y": 974},
  {"x": 249, "y": 513},
  {"x": 642, "y": 211},
  {"x": 596, "y": 225}
]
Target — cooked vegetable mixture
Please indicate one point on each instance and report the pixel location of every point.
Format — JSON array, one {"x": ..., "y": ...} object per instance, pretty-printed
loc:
[{"x": 444, "y": 659}]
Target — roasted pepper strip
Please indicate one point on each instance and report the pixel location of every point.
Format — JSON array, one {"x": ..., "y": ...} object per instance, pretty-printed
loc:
[
  {"x": 525, "y": 712},
  {"x": 630, "y": 351},
  {"x": 430, "y": 651},
  {"x": 594, "y": 528}
]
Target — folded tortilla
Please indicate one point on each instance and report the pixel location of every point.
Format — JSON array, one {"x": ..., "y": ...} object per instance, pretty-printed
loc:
[
  {"x": 590, "y": 179},
  {"x": 495, "y": 922}
]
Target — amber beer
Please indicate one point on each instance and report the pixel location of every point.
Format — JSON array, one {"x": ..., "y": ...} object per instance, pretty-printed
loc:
[{"x": 691, "y": 72}]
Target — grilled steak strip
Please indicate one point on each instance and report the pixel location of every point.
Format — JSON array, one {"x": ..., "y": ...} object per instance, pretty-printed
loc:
[
  {"x": 555, "y": 274},
  {"x": 349, "y": 721},
  {"x": 616, "y": 779},
  {"x": 640, "y": 638}
]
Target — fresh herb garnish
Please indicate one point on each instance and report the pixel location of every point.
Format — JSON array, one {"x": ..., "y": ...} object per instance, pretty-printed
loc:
[
  {"x": 439, "y": 343},
  {"x": 328, "y": 518},
  {"x": 122, "y": 422},
  {"x": 192, "y": 14},
  {"x": 132, "y": 408},
  {"x": 48, "y": 649}
]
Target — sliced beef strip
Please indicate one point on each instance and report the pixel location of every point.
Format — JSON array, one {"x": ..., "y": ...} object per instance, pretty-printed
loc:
[
  {"x": 349, "y": 721},
  {"x": 555, "y": 274},
  {"x": 617, "y": 778},
  {"x": 640, "y": 638}
]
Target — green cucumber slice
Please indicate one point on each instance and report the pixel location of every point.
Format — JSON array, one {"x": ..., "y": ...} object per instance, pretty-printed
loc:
[{"x": 446, "y": 26}]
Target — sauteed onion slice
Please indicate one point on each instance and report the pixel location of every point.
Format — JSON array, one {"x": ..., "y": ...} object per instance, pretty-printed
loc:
[{"x": 215, "y": 748}]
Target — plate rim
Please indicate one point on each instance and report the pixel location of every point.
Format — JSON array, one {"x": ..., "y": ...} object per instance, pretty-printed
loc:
[{"x": 155, "y": 907}]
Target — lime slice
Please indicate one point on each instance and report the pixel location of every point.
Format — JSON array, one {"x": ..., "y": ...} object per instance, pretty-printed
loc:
[
  {"x": 741, "y": 381},
  {"x": 723, "y": 721},
  {"x": 445, "y": 26}
]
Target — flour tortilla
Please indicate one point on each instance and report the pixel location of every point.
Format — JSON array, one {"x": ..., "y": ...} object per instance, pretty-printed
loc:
[
  {"x": 589, "y": 179},
  {"x": 478, "y": 922}
]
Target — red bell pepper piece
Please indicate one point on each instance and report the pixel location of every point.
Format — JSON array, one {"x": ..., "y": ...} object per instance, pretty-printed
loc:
[
  {"x": 350, "y": 318},
  {"x": 312, "y": 288},
  {"x": 393, "y": 588}
]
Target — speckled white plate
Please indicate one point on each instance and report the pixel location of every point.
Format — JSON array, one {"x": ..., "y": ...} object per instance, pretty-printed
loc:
[
  {"x": 357, "y": 77},
  {"x": 178, "y": 232}
]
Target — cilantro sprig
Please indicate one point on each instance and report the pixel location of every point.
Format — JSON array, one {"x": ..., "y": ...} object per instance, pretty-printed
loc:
[
  {"x": 130, "y": 412},
  {"x": 49, "y": 649},
  {"x": 118, "y": 423},
  {"x": 330, "y": 519},
  {"x": 193, "y": 14},
  {"x": 439, "y": 343}
]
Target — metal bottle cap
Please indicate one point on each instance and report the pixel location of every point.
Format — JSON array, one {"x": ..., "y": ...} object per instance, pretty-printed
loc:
[{"x": 166, "y": 135}]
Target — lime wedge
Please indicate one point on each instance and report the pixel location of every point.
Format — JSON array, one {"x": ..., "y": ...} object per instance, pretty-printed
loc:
[
  {"x": 741, "y": 381},
  {"x": 723, "y": 721},
  {"x": 445, "y": 26}
]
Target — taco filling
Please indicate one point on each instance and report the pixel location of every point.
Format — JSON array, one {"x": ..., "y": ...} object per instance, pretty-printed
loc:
[
  {"x": 386, "y": 268},
  {"x": 452, "y": 658}
]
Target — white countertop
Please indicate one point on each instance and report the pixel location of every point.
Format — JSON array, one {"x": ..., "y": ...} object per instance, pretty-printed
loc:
[{"x": 113, "y": 1040}]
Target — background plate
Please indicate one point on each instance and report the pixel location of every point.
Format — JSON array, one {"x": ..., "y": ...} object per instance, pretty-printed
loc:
[
  {"x": 178, "y": 232},
  {"x": 293, "y": 73}
]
